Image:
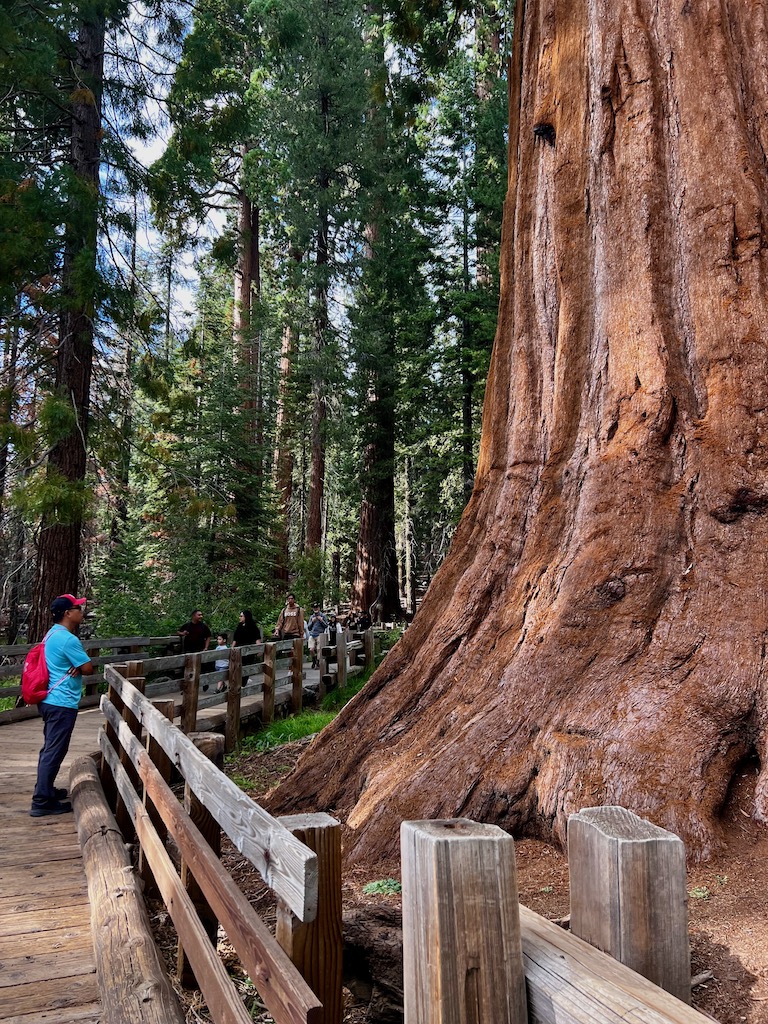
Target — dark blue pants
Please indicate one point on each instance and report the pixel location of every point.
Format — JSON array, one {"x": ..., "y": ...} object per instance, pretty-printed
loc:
[{"x": 58, "y": 725}]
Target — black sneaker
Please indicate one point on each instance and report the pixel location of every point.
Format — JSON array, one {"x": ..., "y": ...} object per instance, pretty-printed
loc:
[
  {"x": 46, "y": 809},
  {"x": 60, "y": 794}
]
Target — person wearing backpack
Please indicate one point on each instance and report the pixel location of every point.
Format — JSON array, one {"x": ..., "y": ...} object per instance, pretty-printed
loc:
[{"x": 67, "y": 663}]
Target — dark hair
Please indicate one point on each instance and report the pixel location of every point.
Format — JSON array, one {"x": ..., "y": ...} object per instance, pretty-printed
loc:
[
  {"x": 291, "y": 594},
  {"x": 195, "y": 611},
  {"x": 248, "y": 616}
]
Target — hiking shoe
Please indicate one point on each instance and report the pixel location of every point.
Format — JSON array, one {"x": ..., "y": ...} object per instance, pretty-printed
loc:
[
  {"x": 60, "y": 794},
  {"x": 46, "y": 809}
]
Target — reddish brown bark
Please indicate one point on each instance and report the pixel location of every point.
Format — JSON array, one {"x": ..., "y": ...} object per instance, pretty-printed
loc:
[
  {"x": 598, "y": 631},
  {"x": 58, "y": 553}
]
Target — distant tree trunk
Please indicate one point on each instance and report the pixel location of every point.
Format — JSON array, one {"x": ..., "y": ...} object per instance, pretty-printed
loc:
[
  {"x": 248, "y": 346},
  {"x": 597, "y": 633},
  {"x": 317, "y": 439},
  {"x": 375, "y": 587},
  {"x": 58, "y": 554},
  {"x": 8, "y": 396},
  {"x": 283, "y": 458}
]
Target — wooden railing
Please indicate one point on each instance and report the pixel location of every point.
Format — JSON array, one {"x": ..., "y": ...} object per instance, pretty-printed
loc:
[
  {"x": 257, "y": 679},
  {"x": 202, "y": 894},
  {"x": 12, "y": 658}
]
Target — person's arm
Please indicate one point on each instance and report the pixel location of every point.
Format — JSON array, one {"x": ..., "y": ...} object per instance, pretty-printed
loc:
[
  {"x": 85, "y": 670},
  {"x": 182, "y": 630},
  {"x": 207, "y": 641}
]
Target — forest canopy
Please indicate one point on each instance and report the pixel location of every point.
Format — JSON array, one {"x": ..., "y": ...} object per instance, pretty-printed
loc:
[{"x": 249, "y": 273}]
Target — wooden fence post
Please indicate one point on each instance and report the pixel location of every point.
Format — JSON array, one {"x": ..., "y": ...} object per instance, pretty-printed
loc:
[
  {"x": 322, "y": 664},
  {"x": 629, "y": 894},
  {"x": 190, "y": 687},
  {"x": 268, "y": 685},
  {"x": 368, "y": 649},
  {"x": 162, "y": 762},
  {"x": 341, "y": 660},
  {"x": 462, "y": 956},
  {"x": 212, "y": 745},
  {"x": 297, "y": 676},
  {"x": 234, "y": 688},
  {"x": 316, "y": 947}
]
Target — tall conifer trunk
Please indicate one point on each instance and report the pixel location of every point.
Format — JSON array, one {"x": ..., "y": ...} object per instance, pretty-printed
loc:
[
  {"x": 58, "y": 555},
  {"x": 247, "y": 340},
  {"x": 317, "y": 436},
  {"x": 597, "y": 633}
]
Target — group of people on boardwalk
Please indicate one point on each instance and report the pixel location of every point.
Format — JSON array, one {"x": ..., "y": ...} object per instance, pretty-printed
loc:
[{"x": 67, "y": 662}]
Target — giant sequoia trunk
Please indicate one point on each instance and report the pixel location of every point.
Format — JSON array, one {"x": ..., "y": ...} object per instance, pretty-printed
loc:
[{"x": 598, "y": 631}]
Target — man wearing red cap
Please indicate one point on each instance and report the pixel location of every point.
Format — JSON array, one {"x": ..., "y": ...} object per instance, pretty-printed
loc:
[{"x": 67, "y": 663}]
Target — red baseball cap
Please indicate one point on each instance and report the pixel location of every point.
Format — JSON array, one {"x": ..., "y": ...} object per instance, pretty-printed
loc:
[{"x": 64, "y": 602}]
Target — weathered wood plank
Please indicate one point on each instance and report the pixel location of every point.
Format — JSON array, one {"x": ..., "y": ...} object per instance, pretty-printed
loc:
[
  {"x": 462, "y": 956},
  {"x": 212, "y": 745},
  {"x": 284, "y": 863},
  {"x": 284, "y": 992},
  {"x": 90, "y": 1013},
  {"x": 24, "y": 969},
  {"x": 629, "y": 894},
  {"x": 571, "y": 982},
  {"x": 72, "y": 937},
  {"x": 55, "y": 994}
]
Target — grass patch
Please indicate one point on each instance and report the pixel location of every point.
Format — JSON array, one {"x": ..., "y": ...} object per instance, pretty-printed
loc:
[
  {"x": 336, "y": 699},
  {"x": 7, "y": 703},
  {"x": 383, "y": 887},
  {"x": 288, "y": 730},
  {"x": 308, "y": 723}
]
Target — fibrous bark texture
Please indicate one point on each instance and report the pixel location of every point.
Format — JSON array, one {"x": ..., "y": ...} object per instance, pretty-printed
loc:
[{"x": 598, "y": 631}]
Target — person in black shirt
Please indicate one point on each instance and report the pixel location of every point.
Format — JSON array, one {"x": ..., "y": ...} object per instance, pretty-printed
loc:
[
  {"x": 246, "y": 631},
  {"x": 195, "y": 635}
]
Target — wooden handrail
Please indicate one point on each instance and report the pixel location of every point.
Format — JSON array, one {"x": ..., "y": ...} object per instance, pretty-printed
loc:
[
  {"x": 284, "y": 863},
  {"x": 285, "y": 993}
]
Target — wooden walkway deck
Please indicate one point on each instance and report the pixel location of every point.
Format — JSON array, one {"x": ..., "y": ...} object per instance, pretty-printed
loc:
[{"x": 47, "y": 967}]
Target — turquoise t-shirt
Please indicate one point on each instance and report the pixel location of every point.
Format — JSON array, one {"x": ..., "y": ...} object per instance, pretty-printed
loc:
[{"x": 64, "y": 651}]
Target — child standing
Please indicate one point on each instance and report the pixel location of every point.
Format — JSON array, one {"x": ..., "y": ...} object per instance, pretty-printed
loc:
[{"x": 221, "y": 664}]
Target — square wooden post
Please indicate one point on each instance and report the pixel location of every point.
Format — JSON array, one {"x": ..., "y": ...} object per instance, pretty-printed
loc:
[
  {"x": 234, "y": 695},
  {"x": 268, "y": 685},
  {"x": 462, "y": 955},
  {"x": 629, "y": 894},
  {"x": 341, "y": 660},
  {"x": 190, "y": 689},
  {"x": 316, "y": 947},
  {"x": 368, "y": 649},
  {"x": 297, "y": 676}
]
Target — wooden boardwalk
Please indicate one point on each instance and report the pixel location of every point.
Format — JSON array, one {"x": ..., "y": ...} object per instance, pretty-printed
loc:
[{"x": 47, "y": 967}]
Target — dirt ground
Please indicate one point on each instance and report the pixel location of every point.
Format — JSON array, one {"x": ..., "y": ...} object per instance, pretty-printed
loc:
[{"x": 727, "y": 898}]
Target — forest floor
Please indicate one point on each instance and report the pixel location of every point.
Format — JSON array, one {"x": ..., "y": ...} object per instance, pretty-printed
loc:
[{"x": 727, "y": 897}]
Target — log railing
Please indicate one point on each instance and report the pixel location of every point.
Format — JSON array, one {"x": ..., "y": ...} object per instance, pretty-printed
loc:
[{"x": 301, "y": 982}]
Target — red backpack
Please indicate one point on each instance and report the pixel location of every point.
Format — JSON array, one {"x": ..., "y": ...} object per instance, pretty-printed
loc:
[{"x": 35, "y": 681}]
